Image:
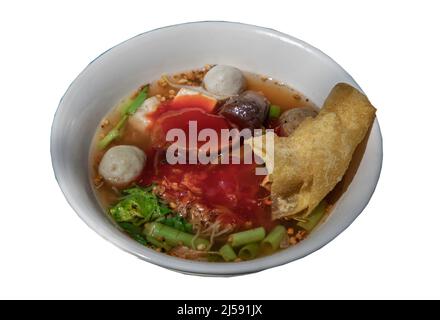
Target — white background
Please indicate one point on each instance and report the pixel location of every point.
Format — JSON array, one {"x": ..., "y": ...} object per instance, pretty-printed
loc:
[{"x": 392, "y": 250}]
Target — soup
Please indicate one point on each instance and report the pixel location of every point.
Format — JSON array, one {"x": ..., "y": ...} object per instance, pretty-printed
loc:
[{"x": 192, "y": 164}]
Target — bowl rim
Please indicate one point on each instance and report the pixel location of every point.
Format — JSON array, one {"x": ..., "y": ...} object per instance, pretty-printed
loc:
[{"x": 215, "y": 268}]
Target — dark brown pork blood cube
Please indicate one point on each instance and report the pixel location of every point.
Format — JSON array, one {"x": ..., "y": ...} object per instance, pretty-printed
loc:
[{"x": 248, "y": 110}]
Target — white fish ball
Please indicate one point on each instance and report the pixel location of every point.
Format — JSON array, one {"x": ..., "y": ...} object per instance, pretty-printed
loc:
[
  {"x": 121, "y": 165},
  {"x": 224, "y": 80}
]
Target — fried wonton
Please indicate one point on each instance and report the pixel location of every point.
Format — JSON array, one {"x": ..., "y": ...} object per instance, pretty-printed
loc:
[{"x": 314, "y": 158}]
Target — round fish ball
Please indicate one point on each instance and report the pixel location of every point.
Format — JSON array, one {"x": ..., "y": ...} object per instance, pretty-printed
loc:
[
  {"x": 291, "y": 119},
  {"x": 224, "y": 80},
  {"x": 121, "y": 165}
]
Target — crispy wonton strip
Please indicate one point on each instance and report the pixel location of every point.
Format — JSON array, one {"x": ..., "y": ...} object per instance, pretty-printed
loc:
[{"x": 311, "y": 161}]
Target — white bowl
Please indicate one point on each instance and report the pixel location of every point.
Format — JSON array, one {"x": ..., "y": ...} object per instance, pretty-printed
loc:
[{"x": 145, "y": 57}]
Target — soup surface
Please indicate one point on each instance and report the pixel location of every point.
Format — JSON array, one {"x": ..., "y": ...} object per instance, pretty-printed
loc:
[{"x": 199, "y": 210}]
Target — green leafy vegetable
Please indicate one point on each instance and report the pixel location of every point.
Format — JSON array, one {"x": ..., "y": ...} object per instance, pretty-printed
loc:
[
  {"x": 134, "y": 231},
  {"x": 127, "y": 110},
  {"x": 138, "y": 212},
  {"x": 138, "y": 205},
  {"x": 177, "y": 222}
]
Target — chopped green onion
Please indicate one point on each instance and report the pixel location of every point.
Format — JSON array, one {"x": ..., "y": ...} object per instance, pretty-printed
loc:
[
  {"x": 274, "y": 111},
  {"x": 227, "y": 253},
  {"x": 314, "y": 217},
  {"x": 241, "y": 238},
  {"x": 249, "y": 251}
]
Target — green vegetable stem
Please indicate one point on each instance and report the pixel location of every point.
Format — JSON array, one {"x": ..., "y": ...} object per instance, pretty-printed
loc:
[
  {"x": 113, "y": 133},
  {"x": 314, "y": 217},
  {"x": 137, "y": 102},
  {"x": 227, "y": 253},
  {"x": 249, "y": 251},
  {"x": 126, "y": 110},
  {"x": 158, "y": 243},
  {"x": 245, "y": 237},
  {"x": 273, "y": 240},
  {"x": 175, "y": 237}
]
